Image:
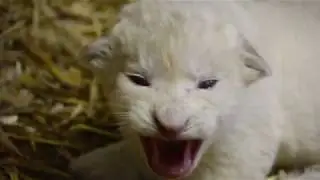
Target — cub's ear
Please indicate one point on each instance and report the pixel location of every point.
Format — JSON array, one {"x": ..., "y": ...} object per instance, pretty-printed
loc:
[
  {"x": 255, "y": 66},
  {"x": 97, "y": 55}
]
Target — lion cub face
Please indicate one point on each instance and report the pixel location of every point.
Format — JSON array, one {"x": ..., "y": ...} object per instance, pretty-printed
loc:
[{"x": 176, "y": 71}]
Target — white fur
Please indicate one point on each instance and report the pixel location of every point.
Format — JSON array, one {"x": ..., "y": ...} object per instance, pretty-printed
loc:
[{"x": 249, "y": 121}]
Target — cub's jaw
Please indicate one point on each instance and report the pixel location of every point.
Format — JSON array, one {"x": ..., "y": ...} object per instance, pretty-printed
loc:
[{"x": 170, "y": 158}]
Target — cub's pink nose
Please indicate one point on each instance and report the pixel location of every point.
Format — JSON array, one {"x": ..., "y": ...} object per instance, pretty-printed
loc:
[{"x": 167, "y": 130}]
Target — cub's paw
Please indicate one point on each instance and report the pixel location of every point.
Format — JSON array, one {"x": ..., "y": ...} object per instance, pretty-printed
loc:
[{"x": 309, "y": 173}]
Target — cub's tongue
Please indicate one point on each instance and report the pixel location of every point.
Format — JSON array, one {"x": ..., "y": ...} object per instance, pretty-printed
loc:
[{"x": 170, "y": 158}]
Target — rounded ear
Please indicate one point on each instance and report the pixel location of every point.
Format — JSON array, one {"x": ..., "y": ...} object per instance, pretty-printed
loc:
[
  {"x": 234, "y": 12},
  {"x": 256, "y": 67},
  {"x": 96, "y": 55},
  {"x": 104, "y": 59}
]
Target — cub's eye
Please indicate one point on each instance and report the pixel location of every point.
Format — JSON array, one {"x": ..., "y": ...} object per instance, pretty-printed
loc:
[
  {"x": 138, "y": 79},
  {"x": 207, "y": 84}
]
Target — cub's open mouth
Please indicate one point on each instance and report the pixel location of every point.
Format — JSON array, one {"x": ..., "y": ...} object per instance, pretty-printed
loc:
[{"x": 170, "y": 158}]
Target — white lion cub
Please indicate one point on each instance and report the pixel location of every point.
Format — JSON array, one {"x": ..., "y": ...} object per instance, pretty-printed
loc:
[{"x": 196, "y": 101}]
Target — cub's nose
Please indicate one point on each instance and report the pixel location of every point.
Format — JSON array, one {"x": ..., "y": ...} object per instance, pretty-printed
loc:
[{"x": 167, "y": 130}]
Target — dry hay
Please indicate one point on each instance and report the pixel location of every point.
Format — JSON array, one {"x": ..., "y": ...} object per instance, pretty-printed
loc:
[{"x": 51, "y": 108}]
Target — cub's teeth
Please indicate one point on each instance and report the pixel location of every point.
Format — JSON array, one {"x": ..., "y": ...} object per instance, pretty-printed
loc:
[{"x": 187, "y": 154}]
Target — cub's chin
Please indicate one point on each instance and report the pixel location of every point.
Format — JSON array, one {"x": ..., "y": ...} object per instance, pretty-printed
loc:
[{"x": 171, "y": 159}]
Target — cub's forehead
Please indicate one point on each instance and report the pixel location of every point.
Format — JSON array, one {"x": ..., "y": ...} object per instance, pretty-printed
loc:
[{"x": 174, "y": 36}]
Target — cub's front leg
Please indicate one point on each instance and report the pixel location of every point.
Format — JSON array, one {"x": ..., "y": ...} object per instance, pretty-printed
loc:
[{"x": 114, "y": 161}]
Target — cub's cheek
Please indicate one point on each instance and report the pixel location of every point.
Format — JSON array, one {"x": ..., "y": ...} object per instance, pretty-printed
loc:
[{"x": 205, "y": 123}]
